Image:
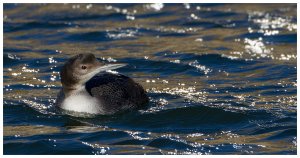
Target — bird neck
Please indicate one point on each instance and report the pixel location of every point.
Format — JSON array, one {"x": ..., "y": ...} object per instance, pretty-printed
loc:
[{"x": 70, "y": 90}]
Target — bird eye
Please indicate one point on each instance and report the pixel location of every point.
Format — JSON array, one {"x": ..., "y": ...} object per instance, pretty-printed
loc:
[{"x": 83, "y": 67}]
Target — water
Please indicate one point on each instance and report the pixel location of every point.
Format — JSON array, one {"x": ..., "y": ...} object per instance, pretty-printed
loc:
[{"x": 221, "y": 77}]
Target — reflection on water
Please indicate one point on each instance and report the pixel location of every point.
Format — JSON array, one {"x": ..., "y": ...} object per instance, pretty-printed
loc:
[{"x": 221, "y": 77}]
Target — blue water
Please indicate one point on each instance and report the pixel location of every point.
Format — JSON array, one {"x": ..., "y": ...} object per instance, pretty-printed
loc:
[{"x": 221, "y": 78}]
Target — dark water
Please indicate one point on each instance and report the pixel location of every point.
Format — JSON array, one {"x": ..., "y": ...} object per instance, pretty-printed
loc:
[{"x": 221, "y": 77}]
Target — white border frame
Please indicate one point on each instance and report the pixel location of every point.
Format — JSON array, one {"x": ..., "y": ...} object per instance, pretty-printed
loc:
[{"x": 143, "y": 1}]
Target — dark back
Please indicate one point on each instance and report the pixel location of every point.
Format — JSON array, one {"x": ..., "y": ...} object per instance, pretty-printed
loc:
[{"x": 116, "y": 92}]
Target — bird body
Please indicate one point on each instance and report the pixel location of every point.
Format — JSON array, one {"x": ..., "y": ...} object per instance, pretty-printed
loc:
[{"x": 87, "y": 88}]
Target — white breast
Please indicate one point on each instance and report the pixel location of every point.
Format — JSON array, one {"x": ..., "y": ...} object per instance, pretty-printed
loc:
[{"x": 81, "y": 101}]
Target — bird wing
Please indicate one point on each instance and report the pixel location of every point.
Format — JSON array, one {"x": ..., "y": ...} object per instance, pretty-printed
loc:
[{"x": 116, "y": 92}]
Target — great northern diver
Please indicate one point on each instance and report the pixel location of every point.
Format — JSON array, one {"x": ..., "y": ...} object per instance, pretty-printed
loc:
[{"x": 88, "y": 88}]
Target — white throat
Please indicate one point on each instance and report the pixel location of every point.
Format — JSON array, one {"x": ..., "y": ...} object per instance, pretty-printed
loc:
[{"x": 80, "y": 100}]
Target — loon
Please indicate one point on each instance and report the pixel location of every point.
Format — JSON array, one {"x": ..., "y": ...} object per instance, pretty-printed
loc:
[{"x": 88, "y": 88}]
